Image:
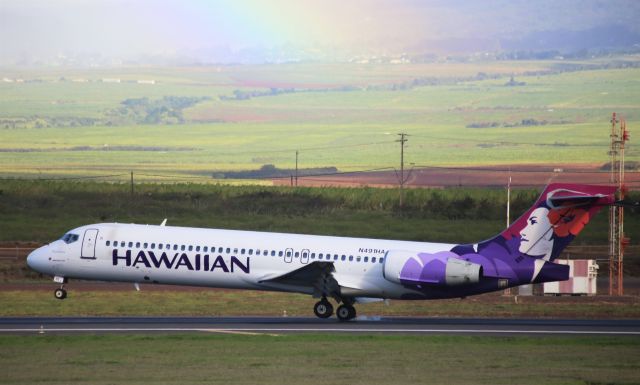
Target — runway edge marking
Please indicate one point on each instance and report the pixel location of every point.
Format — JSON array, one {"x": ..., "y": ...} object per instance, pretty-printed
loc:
[{"x": 256, "y": 331}]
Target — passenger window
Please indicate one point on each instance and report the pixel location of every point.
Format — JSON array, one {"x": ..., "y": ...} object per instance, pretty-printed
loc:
[
  {"x": 182, "y": 247},
  {"x": 335, "y": 257},
  {"x": 313, "y": 255},
  {"x": 265, "y": 253},
  {"x": 175, "y": 247},
  {"x": 153, "y": 245},
  {"x": 108, "y": 242},
  {"x": 228, "y": 250},
  {"x": 373, "y": 259},
  {"x": 251, "y": 252},
  {"x": 235, "y": 251},
  {"x": 381, "y": 259},
  {"x": 190, "y": 248},
  {"x": 159, "y": 246},
  {"x": 146, "y": 245},
  {"x": 242, "y": 251},
  {"x": 344, "y": 257},
  {"x": 280, "y": 253},
  {"x": 273, "y": 253},
  {"x": 138, "y": 244},
  {"x": 205, "y": 249},
  {"x": 366, "y": 259},
  {"x": 122, "y": 244}
]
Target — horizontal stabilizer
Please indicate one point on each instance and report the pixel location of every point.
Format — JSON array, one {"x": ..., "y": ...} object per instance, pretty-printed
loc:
[{"x": 563, "y": 199}]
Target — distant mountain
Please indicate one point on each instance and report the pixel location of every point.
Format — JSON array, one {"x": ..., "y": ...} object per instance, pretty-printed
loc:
[{"x": 563, "y": 40}]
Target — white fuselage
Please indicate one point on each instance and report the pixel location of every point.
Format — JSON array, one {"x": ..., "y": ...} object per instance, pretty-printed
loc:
[{"x": 220, "y": 258}]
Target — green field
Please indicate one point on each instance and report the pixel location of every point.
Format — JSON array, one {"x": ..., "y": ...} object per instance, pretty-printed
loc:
[
  {"x": 111, "y": 300},
  {"x": 40, "y": 211},
  {"x": 317, "y": 359},
  {"x": 342, "y": 115}
]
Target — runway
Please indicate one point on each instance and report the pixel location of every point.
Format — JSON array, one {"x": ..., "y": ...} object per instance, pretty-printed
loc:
[{"x": 284, "y": 325}]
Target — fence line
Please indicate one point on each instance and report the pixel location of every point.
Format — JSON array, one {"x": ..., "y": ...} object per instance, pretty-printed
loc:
[{"x": 15, "y": 253}]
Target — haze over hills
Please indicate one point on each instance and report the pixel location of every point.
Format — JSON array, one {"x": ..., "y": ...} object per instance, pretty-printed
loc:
[{"x": 67, "y": 32}]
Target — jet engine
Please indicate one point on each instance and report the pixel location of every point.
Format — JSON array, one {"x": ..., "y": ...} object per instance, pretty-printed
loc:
[{"x": 442, "y": 268}]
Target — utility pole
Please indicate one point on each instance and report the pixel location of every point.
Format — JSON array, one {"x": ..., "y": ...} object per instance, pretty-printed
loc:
[
  {"x": 402, "y": 141},
  {"x": 509, "y": 200},
  {"x": 296, "y": 168}
]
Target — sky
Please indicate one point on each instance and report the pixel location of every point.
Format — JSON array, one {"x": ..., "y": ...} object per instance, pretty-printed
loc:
[{"x": 119, "y": 28}]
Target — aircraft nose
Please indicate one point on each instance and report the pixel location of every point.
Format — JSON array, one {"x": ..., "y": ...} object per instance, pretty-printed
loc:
[{"x": 37, "y": 259}]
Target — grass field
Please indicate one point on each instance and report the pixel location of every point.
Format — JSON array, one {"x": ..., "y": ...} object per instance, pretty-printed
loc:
[
  {"x": 123, "y": 300},
  {"x": 343, "y": 115},
  {"x": 317, "y": 359},
  {"x": 428, "y": 215}
]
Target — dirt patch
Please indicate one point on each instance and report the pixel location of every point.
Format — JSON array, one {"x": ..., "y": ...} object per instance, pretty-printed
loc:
[{"x": 533, "y": 175}]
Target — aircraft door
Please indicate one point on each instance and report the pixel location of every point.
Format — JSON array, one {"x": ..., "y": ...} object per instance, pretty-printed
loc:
[
  {"x": 304, "y": 256},
  {"x": 89, "y": 244},
  {"x": 288, "y": 255}
]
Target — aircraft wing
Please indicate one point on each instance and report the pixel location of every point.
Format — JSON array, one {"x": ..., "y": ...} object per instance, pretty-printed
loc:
[{"x": 317, "y": 277}]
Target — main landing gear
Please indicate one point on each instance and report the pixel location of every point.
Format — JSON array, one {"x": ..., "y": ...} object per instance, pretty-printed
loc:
[
  {"x": 324, "y": 309},
  {"x": 60, "y": 293},
  {"x": 346, "y": 312}
]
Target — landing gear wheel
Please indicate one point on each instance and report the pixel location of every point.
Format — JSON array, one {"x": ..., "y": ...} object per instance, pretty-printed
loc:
[
  {"x": 346, "y": 312},
  {"x": 323, "y": 309},
  {"x": 60, "y": 293}
]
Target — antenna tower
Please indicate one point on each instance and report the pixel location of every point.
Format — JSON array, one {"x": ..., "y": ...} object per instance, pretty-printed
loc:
[{"x": 617, "y": 240}]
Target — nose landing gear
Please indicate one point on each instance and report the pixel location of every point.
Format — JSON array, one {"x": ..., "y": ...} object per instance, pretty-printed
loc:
[{"x": 60, "y": 293}]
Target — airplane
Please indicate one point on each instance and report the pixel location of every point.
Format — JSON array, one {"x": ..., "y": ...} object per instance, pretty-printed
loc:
[{"x": 347, "y": 270}]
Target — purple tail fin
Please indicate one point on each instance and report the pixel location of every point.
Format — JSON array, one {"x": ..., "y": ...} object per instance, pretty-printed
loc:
[
  {"x": 524, "y": 252},
  {"x": 521, "y": 254},
  {"x": 557, "y": 217}
]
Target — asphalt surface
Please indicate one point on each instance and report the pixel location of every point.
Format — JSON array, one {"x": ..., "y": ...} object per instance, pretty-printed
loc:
[{"x": 282, "y": 325}]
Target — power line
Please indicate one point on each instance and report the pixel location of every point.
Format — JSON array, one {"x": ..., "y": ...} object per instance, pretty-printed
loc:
[
  {"x": 66, "y": 178},
  {"x": 289, "y": 150},
  {"x": 503, "y": 142},
  {"x": 493, "y": 169}
]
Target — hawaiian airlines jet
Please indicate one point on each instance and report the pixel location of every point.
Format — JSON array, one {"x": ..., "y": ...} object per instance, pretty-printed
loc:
[{"x": 347, "y": 270}]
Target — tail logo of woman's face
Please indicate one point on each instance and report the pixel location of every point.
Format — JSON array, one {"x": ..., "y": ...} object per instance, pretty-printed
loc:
[
  {"x": 545, "y": 226},
  {"x": 536, "y": 238}
]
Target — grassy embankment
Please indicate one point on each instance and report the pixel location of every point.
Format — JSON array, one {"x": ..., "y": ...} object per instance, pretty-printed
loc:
[
  {"x": 164, "y": 301},
  {"x": 40, "y": 211},
  {"x": 317, "y": 359},
  {"x": 343, "y": 115}
]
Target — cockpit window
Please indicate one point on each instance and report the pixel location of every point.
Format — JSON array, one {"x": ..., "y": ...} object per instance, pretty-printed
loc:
[{"x": 70, "y": 238}]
